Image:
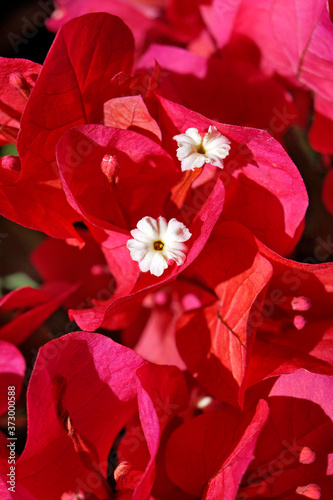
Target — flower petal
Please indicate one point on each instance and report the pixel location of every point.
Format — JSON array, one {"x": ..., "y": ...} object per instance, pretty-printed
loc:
[
  {"x": 148, "y": 225},
  {"x": 177, "y": 231},
  {"x": 146, "y": 262},
  {"x": 158, "y": 264}
]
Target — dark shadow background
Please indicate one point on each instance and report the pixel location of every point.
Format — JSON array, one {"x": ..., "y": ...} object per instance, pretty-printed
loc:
[
  {"x": 22, "y": 36},
  {"x": 22, "y": 33}
]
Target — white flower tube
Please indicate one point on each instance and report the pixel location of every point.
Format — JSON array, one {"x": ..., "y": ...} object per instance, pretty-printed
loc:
[
  {"x": 155, "y": 242},
  {"x": 194, "y": 151}
]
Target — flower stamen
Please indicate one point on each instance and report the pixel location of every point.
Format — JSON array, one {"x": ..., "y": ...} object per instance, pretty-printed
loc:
[{"x": 158, "y": 245}]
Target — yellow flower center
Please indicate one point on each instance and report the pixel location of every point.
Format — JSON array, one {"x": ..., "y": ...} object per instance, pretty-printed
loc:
[
  {"x": 158, "y": 245},
  {"x": 201, "y": 149}
]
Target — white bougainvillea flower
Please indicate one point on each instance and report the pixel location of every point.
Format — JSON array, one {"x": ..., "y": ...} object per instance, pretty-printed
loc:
[
  {"x": 194, "y": 151},
  {"x": 155, "y": 242}
]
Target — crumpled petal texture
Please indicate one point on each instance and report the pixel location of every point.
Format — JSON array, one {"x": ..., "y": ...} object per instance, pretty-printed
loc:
[{"x": 72, "y": 374}]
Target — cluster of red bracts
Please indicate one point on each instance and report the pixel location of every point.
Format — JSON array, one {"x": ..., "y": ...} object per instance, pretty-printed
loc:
[{"x": 219, "y": 385}]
